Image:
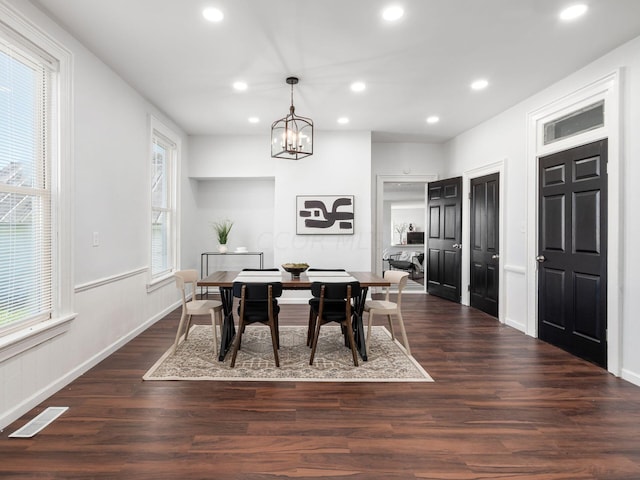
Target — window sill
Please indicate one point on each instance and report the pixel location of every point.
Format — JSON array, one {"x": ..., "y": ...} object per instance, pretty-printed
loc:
[
  {"x": 160, "y": 282},
  {"x": 32, "y": 336}
]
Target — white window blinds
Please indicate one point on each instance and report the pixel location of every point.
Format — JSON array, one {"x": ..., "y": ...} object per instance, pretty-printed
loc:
[
  {"x": 25, "y": 191},
  {"x": 162, "y": 206}
]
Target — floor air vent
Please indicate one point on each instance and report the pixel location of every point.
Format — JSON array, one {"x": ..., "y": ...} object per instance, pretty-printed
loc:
[{"x": 39, "y": 422}]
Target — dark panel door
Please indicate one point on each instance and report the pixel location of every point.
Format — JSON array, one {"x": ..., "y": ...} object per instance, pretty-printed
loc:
[
  {"x": 484, "y": 247},
  {"x": 572, "y": 275},
  {"x": 444, "y": 238}
]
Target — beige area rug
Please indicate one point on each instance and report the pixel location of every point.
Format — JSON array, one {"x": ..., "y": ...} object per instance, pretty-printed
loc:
[{"x": 195, "y": 359}]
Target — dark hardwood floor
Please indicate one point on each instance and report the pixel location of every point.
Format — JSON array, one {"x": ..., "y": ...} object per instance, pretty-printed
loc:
[{"x": 503, "y": 406}]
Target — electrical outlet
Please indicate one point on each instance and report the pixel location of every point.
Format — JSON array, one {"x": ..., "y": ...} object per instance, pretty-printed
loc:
[{"x": 96, "y": 239}]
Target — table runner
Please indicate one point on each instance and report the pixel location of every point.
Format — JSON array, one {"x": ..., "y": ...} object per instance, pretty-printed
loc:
[
  {"x": 274, "y": 277},
  {"x": 328, "y": 273},
  {"x": 258, "y": 273},
  {"x": 332, "y": 279}
]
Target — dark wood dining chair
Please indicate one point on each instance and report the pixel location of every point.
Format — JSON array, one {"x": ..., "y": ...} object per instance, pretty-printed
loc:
[
  {"x": 332, "y": 303},
  {"x": 312, "y": 325},
  {"x": 258, "y": 304}
]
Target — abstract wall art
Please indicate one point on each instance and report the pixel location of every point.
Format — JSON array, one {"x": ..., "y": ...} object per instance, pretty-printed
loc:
[{"x": 324, "y": 215}]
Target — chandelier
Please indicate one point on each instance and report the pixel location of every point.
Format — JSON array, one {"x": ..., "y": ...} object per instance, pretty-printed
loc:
[{"x": 292, "y": 136}]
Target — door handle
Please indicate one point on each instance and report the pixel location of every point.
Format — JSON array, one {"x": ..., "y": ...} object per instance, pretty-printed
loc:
[
  {"x": 495, "y": 257},
  {"x": 457, "y": 245},
  {"x": 540, "y": 258}
]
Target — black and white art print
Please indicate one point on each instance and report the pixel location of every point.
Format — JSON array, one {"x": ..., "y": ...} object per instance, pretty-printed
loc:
[{"x": 324, "y": 215}]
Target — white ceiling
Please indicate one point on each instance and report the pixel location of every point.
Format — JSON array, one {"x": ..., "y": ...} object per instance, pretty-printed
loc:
[{"x": 419, "y": 66}]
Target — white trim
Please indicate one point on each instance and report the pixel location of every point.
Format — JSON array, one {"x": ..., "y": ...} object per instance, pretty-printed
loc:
[
  {"x": 160, "y": 282},
  {"x": 17, "y": 342},
  {"x": 62, "y": 161},
  {"x": 378, "y": 246},
  {"x": 18, "y": 410},
  {"x": 107, "y": 280},
  {"x": 630, "y": 376},
  {"x": 515, "y": 269},
  {"x": 157, "y": 126},
  {"x": 609, "y": 89},
  {"x": 498, "y": 167}
]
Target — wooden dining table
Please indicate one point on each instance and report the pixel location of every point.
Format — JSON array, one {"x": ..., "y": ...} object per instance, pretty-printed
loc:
[{"x": 224, "y": 281}]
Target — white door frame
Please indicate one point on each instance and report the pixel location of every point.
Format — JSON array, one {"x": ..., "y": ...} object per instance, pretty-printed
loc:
[
  {"x": 467, "y": 176},
  {"x": 378, "y": 246},
  {"x": 608, "y": 89}
]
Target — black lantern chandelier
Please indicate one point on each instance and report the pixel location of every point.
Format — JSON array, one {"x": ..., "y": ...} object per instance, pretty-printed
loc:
[{"x": 292, "y": 136}]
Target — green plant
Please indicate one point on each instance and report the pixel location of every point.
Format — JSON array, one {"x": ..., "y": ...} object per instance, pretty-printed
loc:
[{"x": 222, "y": 229}]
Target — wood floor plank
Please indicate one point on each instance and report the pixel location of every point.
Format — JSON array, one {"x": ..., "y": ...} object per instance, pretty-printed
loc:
[{"x": 503, "y": 406}]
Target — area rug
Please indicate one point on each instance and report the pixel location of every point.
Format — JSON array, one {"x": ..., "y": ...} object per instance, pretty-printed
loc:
[{"x": 195, "y": 359}]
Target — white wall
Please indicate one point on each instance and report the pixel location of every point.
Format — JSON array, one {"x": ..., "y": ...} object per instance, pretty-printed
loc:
[
  {"x": 248, "y": 202},
  {"x": 408, "y": 158},
  {"x": 408, "y": 213},
  {"x": 111, "y": 157},
  {"x": 111, "y": 152},
  {"x": 505, "y": 138},
  {"x": 340, "y": 165}
]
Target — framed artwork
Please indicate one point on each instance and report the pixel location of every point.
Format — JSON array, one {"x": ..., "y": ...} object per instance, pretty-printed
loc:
[{"x": 324, "y": 215}]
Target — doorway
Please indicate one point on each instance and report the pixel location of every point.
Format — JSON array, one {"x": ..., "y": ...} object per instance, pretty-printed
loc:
[
  {"x": 605, "y": 88},
  {"x": 385, "y": 235},
  {"x": 572, "y": 276}
]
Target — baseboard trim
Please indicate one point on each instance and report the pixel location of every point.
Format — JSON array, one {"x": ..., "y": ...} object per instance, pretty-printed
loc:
[
  {"x": 630, "y": 376},
  {"x": 517, "y": 325},
  {"x": 33, "y": 401}
]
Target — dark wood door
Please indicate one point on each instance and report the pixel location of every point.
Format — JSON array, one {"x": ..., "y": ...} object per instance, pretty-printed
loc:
[
  {"x": 484, "y": 243},
  {"x": 444, "y": 238},
  {"x": 572, "y": 276}
]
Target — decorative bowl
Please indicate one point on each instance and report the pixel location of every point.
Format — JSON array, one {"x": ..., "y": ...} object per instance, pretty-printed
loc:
[{"x": 295, "y": 269}]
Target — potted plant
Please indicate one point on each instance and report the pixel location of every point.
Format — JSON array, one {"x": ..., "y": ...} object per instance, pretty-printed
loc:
[{"x": 222, "y": 229}]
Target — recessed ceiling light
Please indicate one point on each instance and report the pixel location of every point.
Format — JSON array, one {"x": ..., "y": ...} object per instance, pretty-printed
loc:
[
  {"x": 480, "y": 84},
  {"x": 343, "y": 120},
  {"x": 573, "y": 12},
  {"x": 240, "y": 86},
  {"x": 433, "y": 119},
  {"x": 254, "y": 120},
  {"x": 358, "y": 86},
  {"x": 213, "y": 14},
  {"x": 392, "y": 13}
]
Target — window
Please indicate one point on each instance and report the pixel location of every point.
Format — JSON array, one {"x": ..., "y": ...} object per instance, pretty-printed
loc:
[
  {"x": 164, "y": 160},
  {"x": 26, "y": 159},
  {"x": 580, "y": 121},
  {"x": 36, "y": 185}
]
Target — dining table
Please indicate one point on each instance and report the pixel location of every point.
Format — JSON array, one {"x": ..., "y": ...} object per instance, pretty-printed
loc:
[{"x": 224, "y": 280}]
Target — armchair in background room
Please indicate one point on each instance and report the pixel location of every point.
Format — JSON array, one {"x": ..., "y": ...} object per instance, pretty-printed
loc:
[{"x": 410, "y": 262}]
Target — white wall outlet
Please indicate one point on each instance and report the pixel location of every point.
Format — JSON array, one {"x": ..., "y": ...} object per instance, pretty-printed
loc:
[{"x": 96, "y": 239}]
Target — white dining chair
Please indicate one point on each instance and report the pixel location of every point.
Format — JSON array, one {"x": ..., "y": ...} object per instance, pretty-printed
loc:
[
  {"x": 196, "y": 307},
  {"x": 385, "y": 307}
]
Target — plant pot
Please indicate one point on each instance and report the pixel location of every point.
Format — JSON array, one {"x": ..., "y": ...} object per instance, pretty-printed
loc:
[{"x": 222, "y": 248}]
